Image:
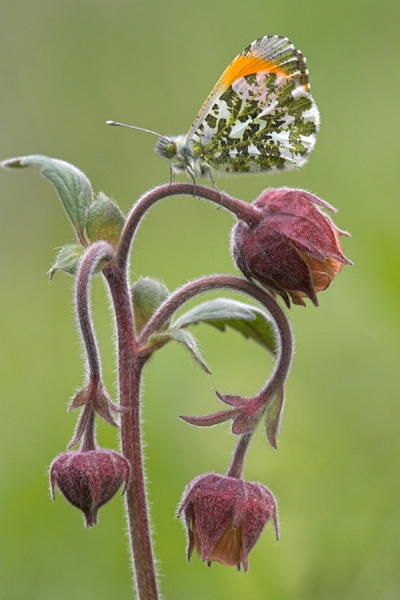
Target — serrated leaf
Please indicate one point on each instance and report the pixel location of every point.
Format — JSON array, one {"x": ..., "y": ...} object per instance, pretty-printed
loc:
[
  {"x": 68, "y": 259},
  {"x": 104, "y": 221},
  {"x": 147, "y": 295},
  {"x": 248, "y": 320},
  {"x": 73, "y": 187},
  {"x": 181, "y": 336},
  {"x": 273, "y": 417}
]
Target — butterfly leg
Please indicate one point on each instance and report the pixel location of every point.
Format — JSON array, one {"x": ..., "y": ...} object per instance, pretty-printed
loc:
[
  {"x": 171, "y": 174},
  {"x": 212, "y": 180},
  {"x": 191, "y": 174},
  {"x": 215, "y": 187}
]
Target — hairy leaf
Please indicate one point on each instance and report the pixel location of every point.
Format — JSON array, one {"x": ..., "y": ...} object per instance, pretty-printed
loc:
[
  {"x": 181, "y": 336},
  {"x": 251, "y": 322},
  {"x": 73, "y": 187},
  {"x": 68, "y": 259}
]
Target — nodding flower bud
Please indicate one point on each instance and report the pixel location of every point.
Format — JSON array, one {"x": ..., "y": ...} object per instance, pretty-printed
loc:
[
  {"x": 294, "y": 249},
  {"x": 225, "y": 517},
  {"x": 89, "y": 479}
]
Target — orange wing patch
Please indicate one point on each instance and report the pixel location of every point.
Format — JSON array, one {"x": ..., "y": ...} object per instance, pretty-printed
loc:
[{"x": 247, "y": 65}]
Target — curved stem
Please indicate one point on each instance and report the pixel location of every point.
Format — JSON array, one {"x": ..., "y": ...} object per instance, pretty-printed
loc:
[
  {"x": 241, "y": 209},
  {"x": 188, "y": 291},
  {"x": 130, "y": 369},
  {"x": 93, "y": 255}
]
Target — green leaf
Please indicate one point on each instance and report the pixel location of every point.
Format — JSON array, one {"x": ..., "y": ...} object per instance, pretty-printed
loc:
[
  {"x": 147, "y": 295},
  {"x": 181, "y": 336},
  {"x": 73, "y": 187},
  {"x": 251, "y": 322},
  {"x": 68, "y": 259},
  {"x": 104, "y": 221}
]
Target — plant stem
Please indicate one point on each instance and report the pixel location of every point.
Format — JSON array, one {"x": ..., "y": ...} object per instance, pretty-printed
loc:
[
  {"x": 188, "y": 291},
  {"x": 93, "y": 255},
  {"x": 132, "y": 361},
  {"x": 241, "y": 209},
  {"x": 89, "y": 439},
  {"x": 235, "y": 469},
  {"x": 130, "y": 369}
]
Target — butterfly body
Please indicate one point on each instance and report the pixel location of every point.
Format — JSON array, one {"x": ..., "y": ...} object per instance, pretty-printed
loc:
[{"x": 259, "y": 117}]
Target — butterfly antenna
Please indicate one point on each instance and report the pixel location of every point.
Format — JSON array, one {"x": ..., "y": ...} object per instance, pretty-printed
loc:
[{"x": 116, "y": 124}]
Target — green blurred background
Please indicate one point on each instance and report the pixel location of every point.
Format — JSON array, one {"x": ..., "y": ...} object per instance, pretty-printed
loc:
[{"x": 67, "y": 67}]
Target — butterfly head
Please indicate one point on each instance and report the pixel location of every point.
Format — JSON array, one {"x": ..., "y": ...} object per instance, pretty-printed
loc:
[
  {"x": 167, "y": 147},
  {"x": 173, "y": 148},
  {"x": 185, "y": 156}
]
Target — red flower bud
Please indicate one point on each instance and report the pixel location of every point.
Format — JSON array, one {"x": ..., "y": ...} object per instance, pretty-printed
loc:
[
  {"x": 225, "y": 517},
  {"x": 294, "y": 249},
  {"x": 89, "y": 479}
]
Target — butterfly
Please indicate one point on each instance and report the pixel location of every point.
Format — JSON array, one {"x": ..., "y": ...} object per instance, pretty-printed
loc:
[{"x": 259, "y": 117}]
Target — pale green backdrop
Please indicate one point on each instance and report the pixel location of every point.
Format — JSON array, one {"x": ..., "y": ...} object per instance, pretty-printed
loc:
[{"x": 67, "y": 67}]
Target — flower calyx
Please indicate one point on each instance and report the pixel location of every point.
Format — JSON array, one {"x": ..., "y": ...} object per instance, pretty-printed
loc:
[
  {"x": 225, "y": 516},
  {"x": 88, "y": 480},
  {"x": 294, "y": 249},
  {"x": 246, "y": 413},
  {"x": 92, "y": 397}
]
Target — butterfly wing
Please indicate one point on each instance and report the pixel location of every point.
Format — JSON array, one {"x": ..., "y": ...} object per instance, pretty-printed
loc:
[{"x": 260, "y": 116}]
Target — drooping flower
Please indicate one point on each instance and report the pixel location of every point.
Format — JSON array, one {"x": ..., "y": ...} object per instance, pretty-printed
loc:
[
  {"x": 294, "y": 249},
  {"x": 88, "y": 480},
  {"x": 225, "y": 516}
]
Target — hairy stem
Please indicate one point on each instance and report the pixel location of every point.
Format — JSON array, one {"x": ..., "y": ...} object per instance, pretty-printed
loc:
[
  {"x": 131, "y": 362},
  {"x": 89, "y": 439},
  {"x": 241, "y": 209},
  {"x": 188, "y": 291},
  {"x": 235, "y": 469},
  {"x": 130, "y": 369},
  {"x": 93, "y": 255}
]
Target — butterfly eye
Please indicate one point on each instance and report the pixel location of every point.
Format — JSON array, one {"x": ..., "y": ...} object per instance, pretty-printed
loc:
[
  {"x": 170, "y": 150},
  {"x": 165, "y": 147}
]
